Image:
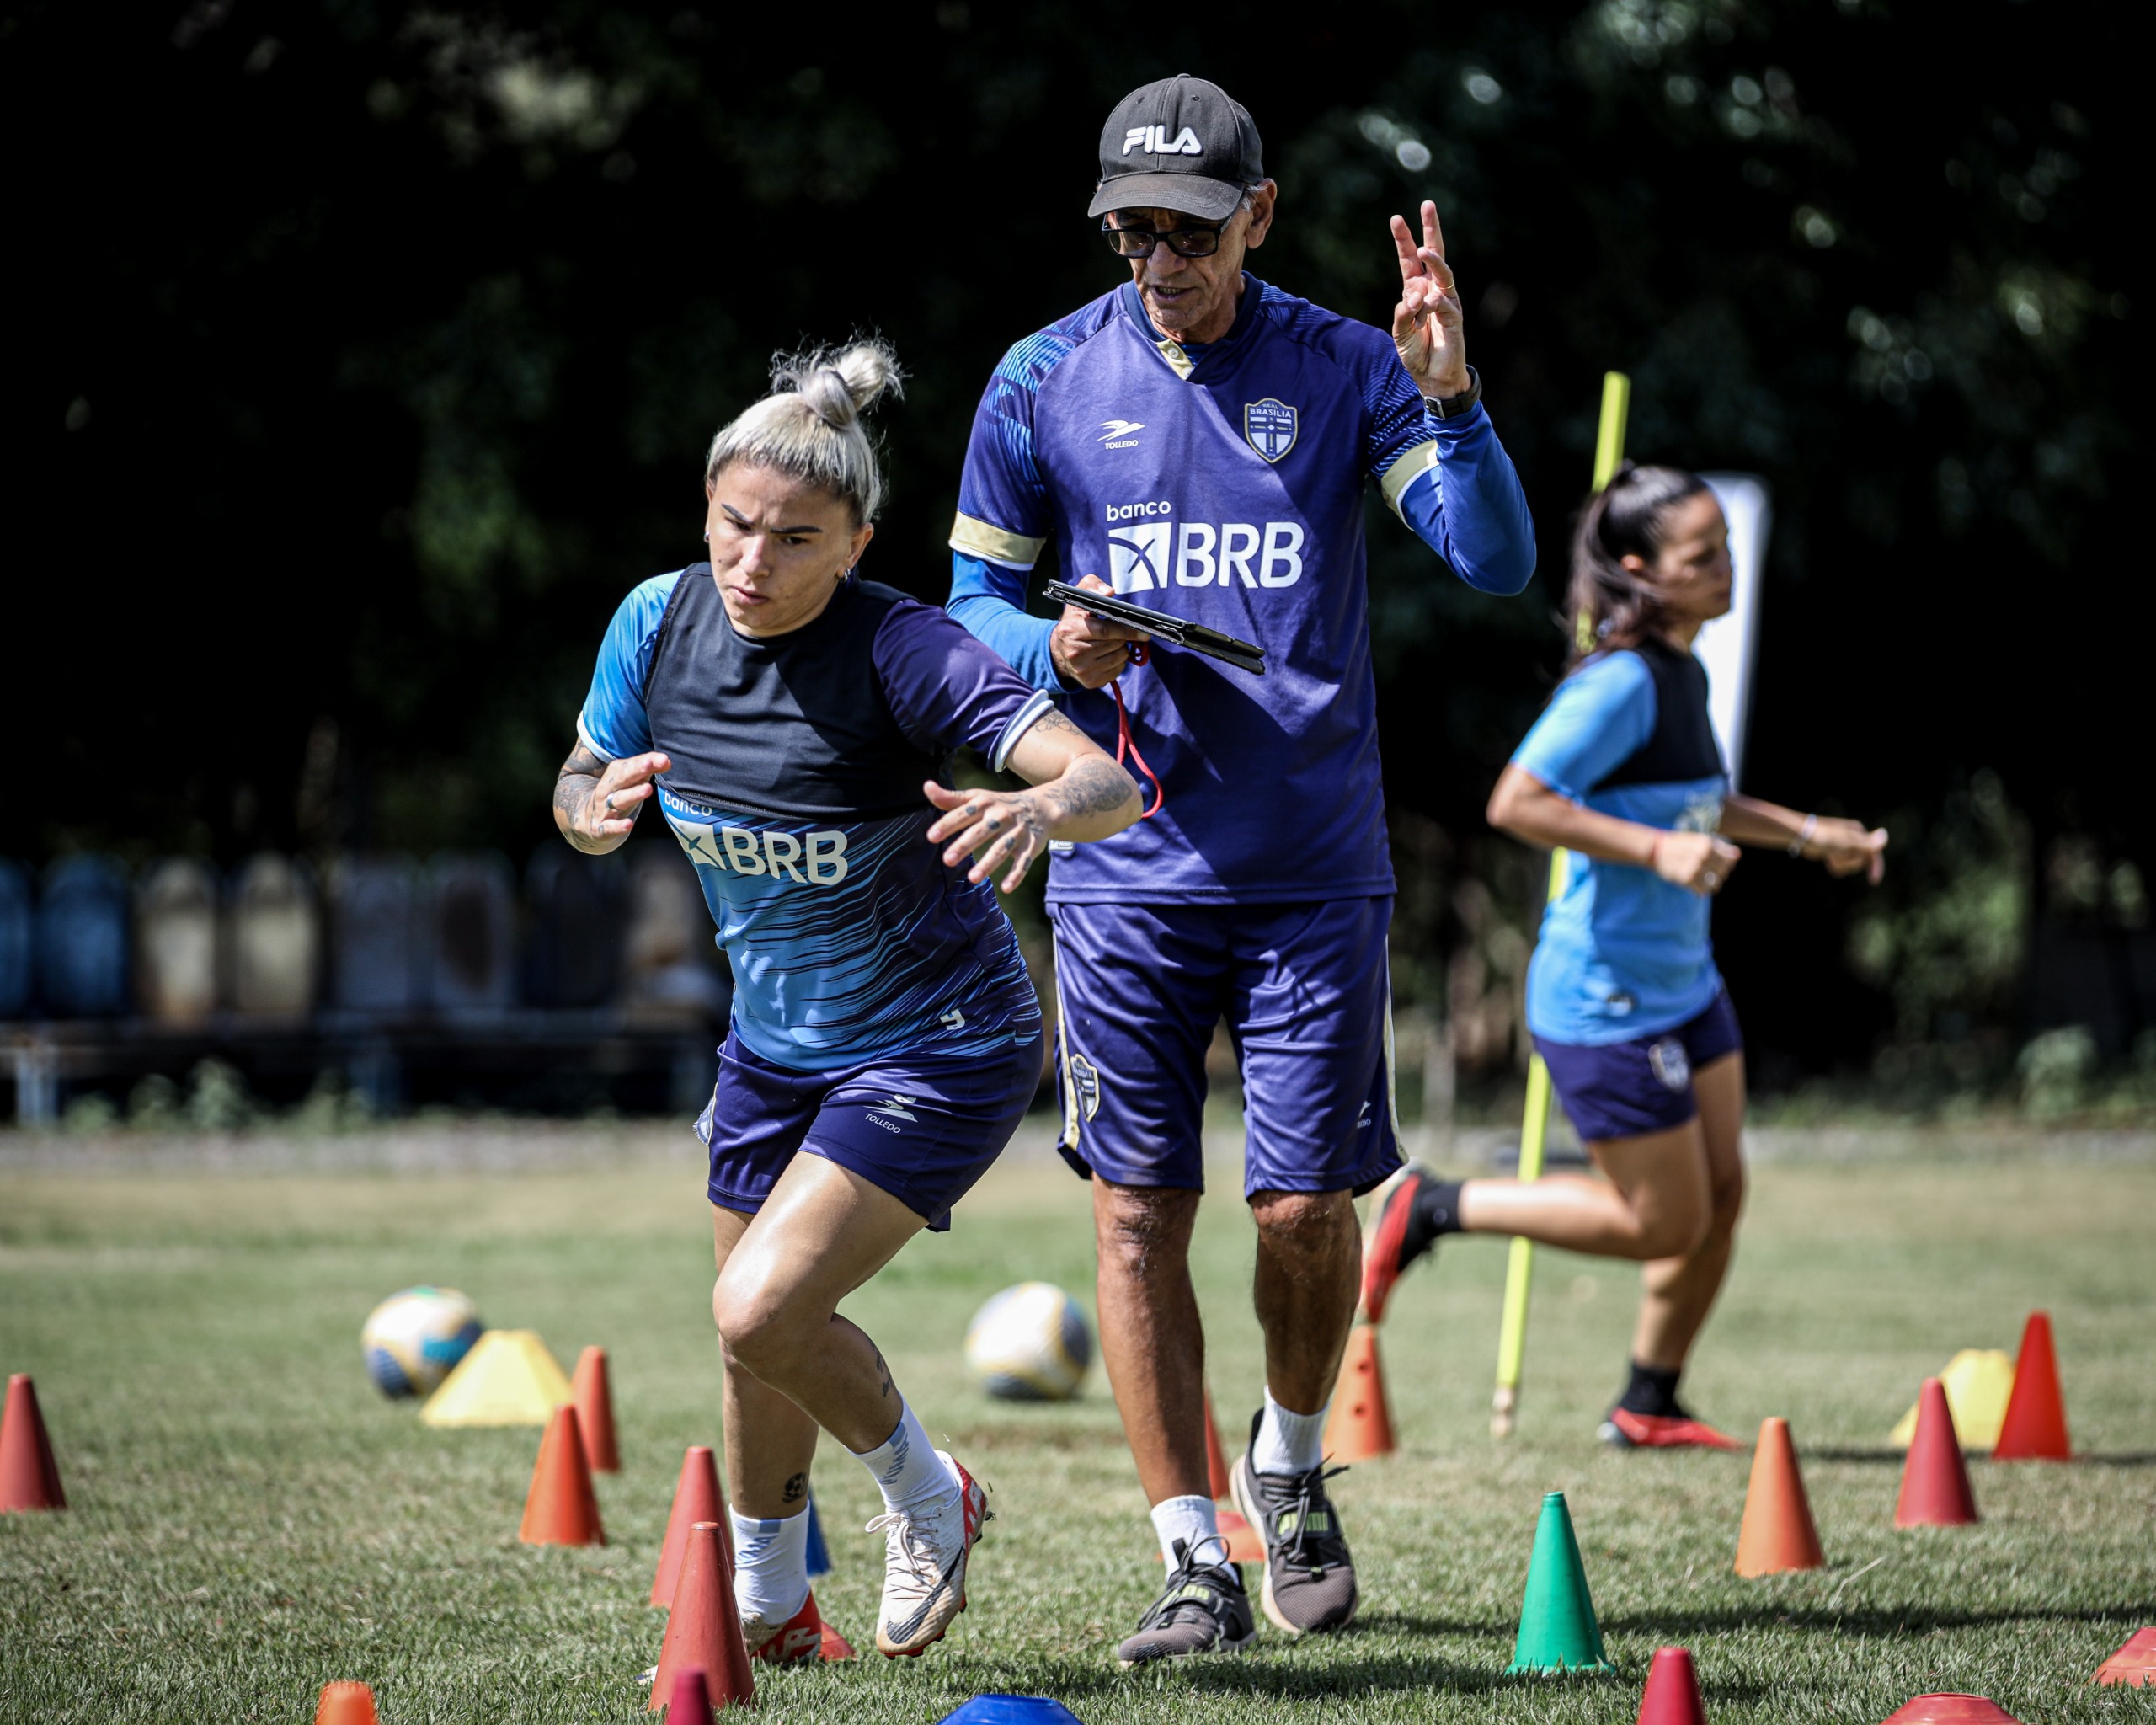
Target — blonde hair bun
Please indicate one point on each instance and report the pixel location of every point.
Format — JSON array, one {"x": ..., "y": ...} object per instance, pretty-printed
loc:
[{"x": 810, "y": 426}]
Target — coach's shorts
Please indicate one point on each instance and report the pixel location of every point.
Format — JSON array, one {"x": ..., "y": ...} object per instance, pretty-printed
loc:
[
  {"x": 1628, "y": 1089},
  {"x": 1304, "y": 989},
  {"x": 923, "y": 1127}
]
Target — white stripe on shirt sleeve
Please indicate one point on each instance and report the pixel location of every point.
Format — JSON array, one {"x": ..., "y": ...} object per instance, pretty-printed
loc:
[{"x": 1024, "y": 720}]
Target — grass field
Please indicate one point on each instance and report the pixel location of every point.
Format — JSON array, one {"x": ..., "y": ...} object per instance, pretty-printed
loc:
[{"x": 249, "y": 1518}]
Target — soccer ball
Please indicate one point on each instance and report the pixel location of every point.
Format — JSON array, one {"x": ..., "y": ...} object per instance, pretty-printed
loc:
[
  {"x": 412, "y": 1340},
  {"x": 1029, "y": 1343}
]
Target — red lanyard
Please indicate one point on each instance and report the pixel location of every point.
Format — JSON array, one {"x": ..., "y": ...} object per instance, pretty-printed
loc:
[{"x": 1124, "y": 742}]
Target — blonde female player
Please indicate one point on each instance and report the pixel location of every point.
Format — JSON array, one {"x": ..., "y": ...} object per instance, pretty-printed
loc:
[
  {"x": 794, "y": 722},
  {"x": 1623, "y": 998}
]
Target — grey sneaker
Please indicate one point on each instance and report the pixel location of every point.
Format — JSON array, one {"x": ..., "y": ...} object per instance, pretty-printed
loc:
[
  {"x": 1310, "y": 1578},
  {"x": 1202, "y": 1610}
]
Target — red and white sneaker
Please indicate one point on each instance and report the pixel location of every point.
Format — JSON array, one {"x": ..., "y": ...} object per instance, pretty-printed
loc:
[
  {"x": 925, "y": 1567},
  {"x": 1385, "y": 1247},
  {"x": 1623, "y": 1429},
  {"x": 803, "y": 1639}
]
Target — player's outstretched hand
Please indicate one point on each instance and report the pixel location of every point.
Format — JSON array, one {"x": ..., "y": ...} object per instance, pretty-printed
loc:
[
  {"x": 1089, "y": 650},
  {"x": 609, "y": 811},
  {"x": 1698, "y": 861},
  {"x": 1428, "y": 331},
  {"x": 1846, "y": 847},
  {"x": 1000, "y": 829}
]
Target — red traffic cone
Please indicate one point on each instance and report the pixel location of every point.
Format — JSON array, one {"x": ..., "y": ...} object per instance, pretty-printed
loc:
[
  {"x": 690, "y": 1702},
  {"x": 1934, "y": 1480},
  {"x": 594, "y": 1397},
  {"x": 2034, "y": 1428},
  {"x": 1673, "y": 1691},
  {"x": 560, "y": 1510},
  {"x": 1244, "y": 1542},
  {"x": 2133, "y": 1665},
  {"x": 1778, "y": 1534},
  {"x": 344, "y": 1704},
  {"x": 696, "y": 1498},
  {"x": 703, "y": 1630},
  {"x": 1360, "y": 1427},
  {"x": 29, "y": 1478},
  {"x": 1950, "y": 1707}
]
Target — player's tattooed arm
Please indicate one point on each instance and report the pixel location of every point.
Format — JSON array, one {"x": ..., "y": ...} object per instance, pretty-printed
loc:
[
  {"x": 596, "y": 802},
  {"x": 1077, "y": 794}
]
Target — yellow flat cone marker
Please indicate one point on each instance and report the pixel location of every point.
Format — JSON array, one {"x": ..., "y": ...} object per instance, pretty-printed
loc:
[
  {"x": 1978, "y": 1382},
  {"x": 509, "y": 1378}
]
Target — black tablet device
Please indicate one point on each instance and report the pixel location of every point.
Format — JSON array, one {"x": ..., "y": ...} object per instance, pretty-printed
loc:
[{"x": 1176, "y": 631}]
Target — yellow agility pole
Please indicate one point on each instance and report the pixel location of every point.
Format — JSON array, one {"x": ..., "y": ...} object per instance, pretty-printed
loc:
[{"x": 1534, "y": 1120}]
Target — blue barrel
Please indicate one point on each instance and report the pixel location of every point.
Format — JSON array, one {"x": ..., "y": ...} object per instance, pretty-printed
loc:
[
  {"x": 470, "y": 944},
  {"x": 580, "y": 912},
  {"x": 372, "y": 934},
  {"x": 81, "y": 938},
  {"x": 15, "y": 943}
]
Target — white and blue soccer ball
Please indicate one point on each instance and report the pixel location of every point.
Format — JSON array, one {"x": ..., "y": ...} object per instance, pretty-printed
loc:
[
  {"x": 1030, "y": 1344},
  {"x": 412, "y": 1340}
]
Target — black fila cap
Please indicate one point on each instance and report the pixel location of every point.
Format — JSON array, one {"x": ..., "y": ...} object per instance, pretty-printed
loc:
[{"x": 1179, "y": 144}]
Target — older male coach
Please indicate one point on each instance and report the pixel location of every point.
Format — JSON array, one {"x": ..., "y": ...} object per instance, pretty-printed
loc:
[{"x": 1203, "y": 439}]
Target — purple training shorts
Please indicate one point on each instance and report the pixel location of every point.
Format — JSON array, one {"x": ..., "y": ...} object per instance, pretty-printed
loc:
[{"x": 1628, "y": 1089}]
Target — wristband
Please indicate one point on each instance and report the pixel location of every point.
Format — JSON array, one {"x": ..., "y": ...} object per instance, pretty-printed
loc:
[{"x": 1803, "y": 838}]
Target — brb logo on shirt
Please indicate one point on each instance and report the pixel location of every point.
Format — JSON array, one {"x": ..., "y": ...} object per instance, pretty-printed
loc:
[
  {"x": 1142, "y": 555},
  {"x": 810, "y": 859}
]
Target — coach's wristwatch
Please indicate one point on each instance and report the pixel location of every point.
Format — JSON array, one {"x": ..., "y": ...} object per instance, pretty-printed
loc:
[{"x": 1451, "y": 407}]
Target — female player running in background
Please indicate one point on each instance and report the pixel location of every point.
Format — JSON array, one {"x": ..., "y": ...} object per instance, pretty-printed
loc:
[
  {"x": 794, "y": 723},
  {"x": 1623, "y": 998}
]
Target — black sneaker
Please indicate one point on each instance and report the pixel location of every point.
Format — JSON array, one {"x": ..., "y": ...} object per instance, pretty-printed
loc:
[
  {"x": 1310, "y": 1578},
  {"x": 1202, "y": 1610}
]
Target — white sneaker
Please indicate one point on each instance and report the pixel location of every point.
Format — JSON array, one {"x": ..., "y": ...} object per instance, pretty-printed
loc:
[{"x": 925, "y": 1566}]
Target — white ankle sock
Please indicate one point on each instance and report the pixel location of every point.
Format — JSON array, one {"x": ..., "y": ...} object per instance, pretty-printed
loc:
[
  {"x": 770, "y": 1566},
  {"x": 1288, "y": 1442},
  {"x": 906, "y": 1468},
  {"x": 1194, "y": 1520}
]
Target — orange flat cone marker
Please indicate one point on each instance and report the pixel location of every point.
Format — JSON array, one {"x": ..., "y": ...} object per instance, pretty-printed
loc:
[
  {"x": 1360, "y": 1427},
  {"x": 2133, "y": 1665},
  {"x": 1950, "y": 1708},
  {"x": 29, "y": 1478},
  {"x": 1779, "y": 1533},
  {"x": 702, "y": 1627},
  {"x": 696, "y": 1498},
  {"x": 344, "y": 1704},
  {"x": 593, "y": 1396},
  {"x": 1244, "y": 1543},
  {"x": 2034, "y": 1426},
  {"x": 1934, "y": 1480},
  {"x": 1673, "y": 1691},
  {"x": 560, "y": 1508}
]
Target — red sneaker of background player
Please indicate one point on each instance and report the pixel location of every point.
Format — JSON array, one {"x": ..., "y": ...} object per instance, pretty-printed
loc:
[
  {"x": 1385, "y": 1250},
  {"x": 1624, "y": 1429}
]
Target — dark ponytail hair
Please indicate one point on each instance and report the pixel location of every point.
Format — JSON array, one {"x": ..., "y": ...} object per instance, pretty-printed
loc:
[{"x": 1609, "y": 606}]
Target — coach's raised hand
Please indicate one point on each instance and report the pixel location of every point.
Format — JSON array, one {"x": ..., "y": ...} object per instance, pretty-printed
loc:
[
  {"x": 1427, "y": 329},
  {"x": 1090, "y": 651}
]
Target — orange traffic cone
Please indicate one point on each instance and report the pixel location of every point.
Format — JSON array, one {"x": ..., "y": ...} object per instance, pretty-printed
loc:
[
  {"x": 1360, "y": 1429},
  {"x": 29, "y": 1478},
  {"x": 703, "y": 1629},
  {"x": 1672, "y": 1690},
  {"x": 1244, "y": 1544},
  {"x": 835, "y": 1645},
  {"x": 1778, "y": 1534},
  {"x": 1934, "y": 1480},
  {"x": 560, "y": 1508},
  {"x": 344, "y": 1704},
  {"x": 696, "y": 1498},
  {"x": 593, "y": 1396},
  {"x": 2133, "y": 1665},
  {"x": 2034, "y": 1426}
]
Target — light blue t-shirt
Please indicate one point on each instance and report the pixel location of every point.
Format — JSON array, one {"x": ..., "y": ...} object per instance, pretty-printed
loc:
[{"x": 1622, "y": 952}]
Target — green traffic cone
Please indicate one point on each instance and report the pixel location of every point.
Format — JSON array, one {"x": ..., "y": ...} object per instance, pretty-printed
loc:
[{"x": 1557, "y": 1630}]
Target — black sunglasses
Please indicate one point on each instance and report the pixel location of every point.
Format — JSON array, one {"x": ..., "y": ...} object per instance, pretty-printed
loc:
[{"x": 1183, "y": 241}]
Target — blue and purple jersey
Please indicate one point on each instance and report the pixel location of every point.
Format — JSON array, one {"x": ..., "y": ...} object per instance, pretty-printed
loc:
[
  {"x": 1224, "y": 482},
  {"x": 795, "y": 788}
]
